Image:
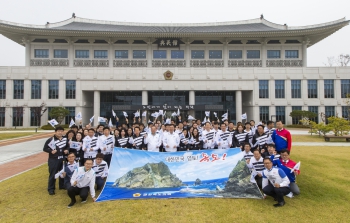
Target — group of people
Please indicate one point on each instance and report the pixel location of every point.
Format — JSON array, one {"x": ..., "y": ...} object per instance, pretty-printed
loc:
[{"x": 81, "y": 157}]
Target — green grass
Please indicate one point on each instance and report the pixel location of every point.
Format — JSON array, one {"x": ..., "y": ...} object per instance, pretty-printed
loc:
[
  {"x": 313, "y": 138},
  {"x": 15, "y": 135},
  {"x": 324, "y": 185}
]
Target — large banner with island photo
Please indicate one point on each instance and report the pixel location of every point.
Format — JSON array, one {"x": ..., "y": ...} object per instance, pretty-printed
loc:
[{"x": 138, "y": 174}]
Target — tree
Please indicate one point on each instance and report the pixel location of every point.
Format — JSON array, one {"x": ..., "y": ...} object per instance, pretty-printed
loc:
[
  {"x": 339, "y": 125},
  {"x": 303, "y": 115},
  {"x": 17, "y": 114},
  {"x": 59, "y": 113},
  {"x": 342, "y": 60},
  {"x": 320, "y": 128},
  {"x": 38, "y": 112}
]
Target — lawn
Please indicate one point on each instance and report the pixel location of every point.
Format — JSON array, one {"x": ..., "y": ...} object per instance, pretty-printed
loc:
[
  {"x": 324, "y": 185},
  {"x": 15, "y": 135},
  {"x": 313, "y": 138}
]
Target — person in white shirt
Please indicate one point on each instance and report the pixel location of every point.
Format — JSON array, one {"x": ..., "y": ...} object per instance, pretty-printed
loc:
[
  {"x": 101, "y": 170},
  {"x": 90, "y": 146},
  {"x": 82, "y": 180},
  {"x": 106, "y": 144},
  {"x": 208, "y": 137},
  {"x": 153, "y": 140},
  {"x": 256, "y": 164},
  {"x": 224, "y": 139},
  {"x": 171, "y": 140}
]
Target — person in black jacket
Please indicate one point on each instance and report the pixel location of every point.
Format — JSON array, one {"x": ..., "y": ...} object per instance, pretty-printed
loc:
[
  {"x": 196, "y": 140},
  {"x": 56, "y": 146},
  {"x": 240, "y": 137}
]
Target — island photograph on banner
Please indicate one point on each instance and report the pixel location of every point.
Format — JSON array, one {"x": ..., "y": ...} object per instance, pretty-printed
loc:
[{"x": 219, "y": 173}]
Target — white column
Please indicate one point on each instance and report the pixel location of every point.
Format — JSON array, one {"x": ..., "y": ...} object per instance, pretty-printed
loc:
[
  {"x": 149, "y": 54},
  {"x": 71, "y": 54},
  {"x": 61, "y": 91},
  {"x": 8, "y": 119},
  {"x": 26, "y": 117},
  {"x": 28, "y": 53},
  {"x": 144, "y": 97},
  {"x": 238, "y": 106},
  {"x": 288, "y": 118},
  {"x": 96, "y": 107},
  {"x": 110, "y": 53},
  {"x": 305, "y": 43},
  {"x": 188, "y": 54},
  {"x": 225, "y": 54},
  {"x": 263, "y": 53},
  {"x": 304, "y": 90},
  {"x": 192, "y": 98}
]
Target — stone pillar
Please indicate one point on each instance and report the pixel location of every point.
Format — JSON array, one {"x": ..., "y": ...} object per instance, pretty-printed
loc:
[
  {"x": 305, "y": 43},
  {"x": 188, "y": 55},
  {"x": 144, "y": 97},
  {"x": 238, "y": 106},
  {"x": 192, "y": 101},
  {"x": 26, "y": 117},
  {"x": 263, "y": 53},
  {"x": 96, "y": 107},
  {"x": 225, "y": 53},
  {"x": 110, "y": 52},
  {"x": 27, "y": 44},
  {"x": 149, "y": 53},
  {"x": 288, "y": 118}
]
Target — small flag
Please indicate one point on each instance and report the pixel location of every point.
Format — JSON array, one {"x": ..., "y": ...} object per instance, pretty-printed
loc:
[
  {"x": 113, "y": 113},
  {"x": 101, "y": 119},
  {"x": 144, "y": 114},
  {"x": 155, "y": 114},
  {"x": 57, "y": 175},
  {"x": 223, "y": 119},
  {"x": 52, "y": 144},
  {"x": 161, "y": 113},
  {"x": 215, "y": 114},
  {"x": 53, "y": 122},
  {"x": 71, "y": 123},
  {"x": 168, "y": 121},
  {"x": 296, "y": 167},
  {"x": 178, "y": 112},
  {"x": 174, "y": 114},
  {"x": 92, "y": 119},
  {"x": 110, "y": 123},
  {"x": 78, "y": 116},
  {"x": 244, "y": 116},
  {"x": 125, "y": 114},
  {"x": 205, "y": 120},
  {"x": 224, "y": 115},
  {"x": 75, "y": 145},
  {"x": 190, "y": 117},
  {"x": 207, "y": 113},
  {"x": 137, "y": 114}
]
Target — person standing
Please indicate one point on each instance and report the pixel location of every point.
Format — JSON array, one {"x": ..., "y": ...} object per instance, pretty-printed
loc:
[
  {"x": 106, "y": 145},
  {"x": 281, "y": 137},
  {"x": 171, "y": 140},
  {"x": 101, "y": 170},
  {"x": 56, "y": 146},
  {"x": 90, "y": 146},
  {"x": 69, "y": 169},
  {"x": 153, "y": 140}
]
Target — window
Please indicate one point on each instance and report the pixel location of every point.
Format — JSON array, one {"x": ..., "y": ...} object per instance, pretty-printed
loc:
[
  {"x": 17, "y": 116},
  {"x": 121, "y": 54},
  {"x": 71, "y": 114},
  {"x": 281, "y": 113},
  {"x": 296, "y": 88},
  {"x": 235, "y": 54},
  {"x": 263, "y": 89},
  {"x": 41, "y": 53},
  {"x": 139, "y": 54},
  {"x": 60, "y": 53},
  {"x": 315, "y": 110},
  {"x": 159, "y": 54},
  {"x": 100, "y": 54},
  {"x": 215, "y": 54},
  {"x": 177, "y": 54},
  {"x": 292, "y": 54},
  {"x": 328, "y": 88},
  {"x": 264, "y": 113},
  {"x": 2, "y": 116},
  {"x": 48, "y": 112},
  {"x": 2, "y": 89},
  {"x": 34, "y": 119},
  {"x": 70, "y": 89},
  {"x": 197, "y": 54},
  {"x": 18, "y": 89},
  {"x": 36, "y": 89},
  {"x": 253, "y": 54},
  {"x": 312, "y": 88},
  {"x": 81, "y": 54},
  {"x": 279, "y": 89},
  {"x": 345, "y": 111},
  {"x": 53, "y": 89},
  {"x": 271, "y": 54},
  {"x": 329, "y": 111},
  {"x": 295, "y": 121},
  {"x": 345, "y": 88}
]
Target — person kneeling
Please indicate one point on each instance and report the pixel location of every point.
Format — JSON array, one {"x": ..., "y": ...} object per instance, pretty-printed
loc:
[
  {"x": 82, "y": 180},
  {"x": 101, "y": 170},
  {"x": 275, "y": 182}
]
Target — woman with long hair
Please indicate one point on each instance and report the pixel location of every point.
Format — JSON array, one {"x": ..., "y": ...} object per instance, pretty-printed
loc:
[
  {"x": 122, "y": 140},
  {"x": 184, "y": 141},
  {"x": 79, "y": 154},
  {"x": 196, "y": 141},
  {"x": 240, "y": 137}
]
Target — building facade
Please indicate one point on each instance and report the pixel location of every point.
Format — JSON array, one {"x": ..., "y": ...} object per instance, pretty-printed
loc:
[{"x": 254, "y": 67}]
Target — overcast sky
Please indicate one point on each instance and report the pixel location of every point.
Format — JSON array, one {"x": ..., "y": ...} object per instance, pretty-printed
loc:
[{"x": 294, "y": 13}]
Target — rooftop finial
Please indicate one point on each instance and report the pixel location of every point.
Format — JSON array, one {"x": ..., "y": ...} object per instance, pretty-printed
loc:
[
  {"x": 73, "y": 15},
  {"x": 261, "y": 16}
]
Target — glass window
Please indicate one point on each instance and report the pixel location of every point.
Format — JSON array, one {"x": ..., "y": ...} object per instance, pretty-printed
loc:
[
  {"x": 264, "y": 113},
  {"x": 315, "y": 110},
  {"x": 18, "y": 89},
  {"x": 295, "y": 121},
  {"x": 159, "y": 54},
  {"x": 292, "y": 54},
  {"x": 215, "y": 54},
  {"x": 139, "y": 54},
  {"x": 312, "y": 88},
  {"x": 263, "y": 89},
  {"x": 48, "y": 112},
  {"x": 70, "y": 89},
  {"x": 235, "y": 54},
  {"x": 36, "y": 89},
  {"x": 345, "y": 88},
  {"x": 279, "y": 89},
  {"x": 273, "y": 54},
  {"x": 253, "y": 54},
  {"x": 168, "y": 97},
  {"x": 328, "y": 88},
  {"x": 60, "y": 54},
  {"x": 53, "y": 89},
  {"x": 121, "y": 54},
  {"x": 281, "y": 113},
  {"x": 329, "y": 111},
  {"x": 197, "y": 54},
  {"x": 17, "y": 116},
  {"x": 345, "y": 111},
  {"x": 177, "y": 54},
  {"x": 35, "y": 119},
  {"x": 2, "y": 89},
  {"x": 296, "y": 88},
  {"x": 2, "y": 116},
  {"x": 71, "y": 114},
  {"x": 100, "y": 54},
  {"x": 41, "y": 53},
  {"x": 82, "y": 54}
]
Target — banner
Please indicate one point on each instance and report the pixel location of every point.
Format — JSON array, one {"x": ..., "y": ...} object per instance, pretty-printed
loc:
[{"x": 138, "y": 174}]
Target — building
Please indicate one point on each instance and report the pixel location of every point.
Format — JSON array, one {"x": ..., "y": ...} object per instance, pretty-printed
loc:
[{"x": 255, "y": 67}]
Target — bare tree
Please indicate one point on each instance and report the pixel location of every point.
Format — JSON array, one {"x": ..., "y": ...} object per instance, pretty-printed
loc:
[
  {"x": 38, "y": 112},
  {"x": 330, "y": 62},
  {"x": 343, "y": 60}
]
